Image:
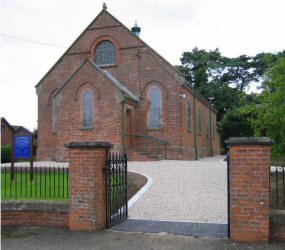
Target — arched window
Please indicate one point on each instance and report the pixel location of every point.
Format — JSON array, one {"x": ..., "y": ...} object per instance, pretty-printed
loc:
[
  {"x": 54, "y": 116},
  {"x": 87, "y": 108},
  {"x": 199, "y": 121},
  {"x": 214, "y": 130},
  {"x": 154, "y": 117},
  {"x": 189, "y": 127},
  {"x": 2, "y": 130},
  {"x": 207, "y": 124},
  {"x": 105, "y": 53}
]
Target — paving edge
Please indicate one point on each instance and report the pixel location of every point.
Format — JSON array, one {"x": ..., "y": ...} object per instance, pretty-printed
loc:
[
  {"x": 195, "y": 229},
  {"x": 139, "y": 194}
]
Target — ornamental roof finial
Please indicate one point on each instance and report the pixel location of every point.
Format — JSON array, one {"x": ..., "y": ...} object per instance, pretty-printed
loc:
[{"x": 104, "y": 6}]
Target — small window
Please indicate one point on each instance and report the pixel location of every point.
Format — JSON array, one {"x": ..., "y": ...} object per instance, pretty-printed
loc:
[
  {"x": 2, "y": 129},
  {"x": 54, "y": 116},
  {"x": 189, "y": 127},
  {"x": 105, "y": 53},
  {"x": 207, "y": 124},
  {"x": 87, "y": 108},
  {"x": 154, "y": 118},
  {"x": 199, "y": 121}
]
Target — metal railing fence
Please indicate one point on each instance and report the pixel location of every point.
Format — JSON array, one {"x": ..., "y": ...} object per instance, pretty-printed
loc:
[
  {"x": 277, "y": 185},
  {"x": 48, "y": 183}
]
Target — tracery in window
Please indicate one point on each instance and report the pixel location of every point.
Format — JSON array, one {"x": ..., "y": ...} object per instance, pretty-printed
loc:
[
  {"x": 155, "y": 108},
  {"x": 105, "y": 53}
]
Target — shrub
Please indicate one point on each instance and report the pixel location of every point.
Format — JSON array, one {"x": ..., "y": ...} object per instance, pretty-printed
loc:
[{"x": 5, "y": 154}]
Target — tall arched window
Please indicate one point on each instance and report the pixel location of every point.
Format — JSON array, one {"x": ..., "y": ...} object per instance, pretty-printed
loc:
[
  {"x": 87, "y": 108},
  {"x": 199, "y": 121},
  {"x": 207, "y": 124},
  {"x": 54, "y": 116},
  {"x": 189, "y": 127},
  {"x": 105, "y": 53},
  {"x": 154, "y": 117}
]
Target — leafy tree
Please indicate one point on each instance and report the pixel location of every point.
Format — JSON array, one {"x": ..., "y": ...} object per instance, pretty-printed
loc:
[
  {"x": 222, "y": 81},
  {"x": 238, "y": 72},
  {"x": 238, "y": 122},
  {"x": 262, "y": 61},
  {"x": 205, "y": 72},
  {"x": 197, "y": 64},
  {"x": 271, "y": 111}
]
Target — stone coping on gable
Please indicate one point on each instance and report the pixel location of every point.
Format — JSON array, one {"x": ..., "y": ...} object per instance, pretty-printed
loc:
[
  {"x": 249, "y": 141},
  {"x": 89, "y": 144}
]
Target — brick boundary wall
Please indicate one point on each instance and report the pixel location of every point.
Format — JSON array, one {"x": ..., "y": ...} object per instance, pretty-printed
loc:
[
  {"x": 22, "y": 212},
  {"x": 87, "y": 189},
  {"x": 249, "y": 188},
  {"x": 86, "y": 208}
]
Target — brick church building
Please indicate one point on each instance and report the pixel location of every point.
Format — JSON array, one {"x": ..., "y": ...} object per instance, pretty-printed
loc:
[{"x": 111, "y": 86}]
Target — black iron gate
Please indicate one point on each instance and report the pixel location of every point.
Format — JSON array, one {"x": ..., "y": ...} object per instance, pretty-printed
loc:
[{"x": 117, "y": 188}]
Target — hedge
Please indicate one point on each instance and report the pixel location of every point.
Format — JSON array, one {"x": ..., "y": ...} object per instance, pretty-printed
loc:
[{"x": 5, "y": 154}]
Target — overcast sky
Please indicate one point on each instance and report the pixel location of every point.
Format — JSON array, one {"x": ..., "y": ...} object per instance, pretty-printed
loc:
[{"x": 34, "y": 34}]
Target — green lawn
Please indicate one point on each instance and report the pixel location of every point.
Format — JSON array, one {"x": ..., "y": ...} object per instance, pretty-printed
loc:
[{"x": 45, "y": 186}]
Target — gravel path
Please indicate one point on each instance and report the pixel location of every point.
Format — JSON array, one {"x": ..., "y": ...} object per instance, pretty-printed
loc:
[{"x": 183, "y": 191}]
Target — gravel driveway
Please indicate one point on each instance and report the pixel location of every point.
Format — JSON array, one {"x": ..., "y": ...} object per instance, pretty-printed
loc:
[{"x": 193, "y": 191}]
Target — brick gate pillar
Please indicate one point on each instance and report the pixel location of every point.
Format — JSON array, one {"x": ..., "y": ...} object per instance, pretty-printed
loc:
[
  {"x": 87, "y": 190},
  {"x": 249, "y": 188}
]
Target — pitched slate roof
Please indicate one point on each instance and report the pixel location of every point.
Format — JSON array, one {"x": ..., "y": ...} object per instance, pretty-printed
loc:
[{"x": 111, "y": 78}]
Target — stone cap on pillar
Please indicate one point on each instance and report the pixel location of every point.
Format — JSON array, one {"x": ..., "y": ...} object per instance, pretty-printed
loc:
[
  {"x": 89, "y": 144},
  {"x": 248, "y": 141}
]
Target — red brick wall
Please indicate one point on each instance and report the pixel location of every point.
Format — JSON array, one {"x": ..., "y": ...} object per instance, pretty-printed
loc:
[
  {"x": 138, "y": 68},
  {"x": 7, "y": 136},
  {"x": 87, "y": 191},
  {"x": 34, "y": 218},
  {"x": 34, "y": 213},
  {"x": 249, "y": 192}
]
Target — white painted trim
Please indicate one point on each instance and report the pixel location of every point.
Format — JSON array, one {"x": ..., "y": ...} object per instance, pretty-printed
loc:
[{"x": 139, "y": 194}]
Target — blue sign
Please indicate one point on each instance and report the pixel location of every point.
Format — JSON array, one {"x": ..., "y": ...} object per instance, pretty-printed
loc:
[{"x": 22, "y": 146}]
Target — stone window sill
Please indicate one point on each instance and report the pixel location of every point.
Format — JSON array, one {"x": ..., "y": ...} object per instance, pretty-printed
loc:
[
  {"x": 108, "y": 65},
  {"x": 154, "y": 129},
  {"x": 87, "y": 127}
]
